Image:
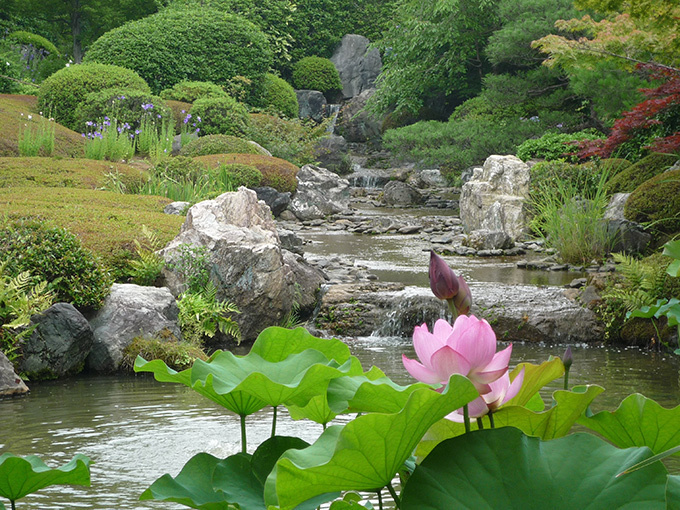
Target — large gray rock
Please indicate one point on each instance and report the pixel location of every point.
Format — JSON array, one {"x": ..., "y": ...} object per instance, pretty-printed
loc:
[
  {"x": 320, "y": 193},
  {"x": 59, "y": 344},
  {"x": 128, "y": 312},
  {"x": 247, "y": 262},
  {"x": 614, "y": 210},
  {"x": 401, "y": 194},
  {"x": 308, "y": 281},
  {"x": 10, "y": 383},
  {"x": 332, "y": 153},
  {"x": 311, "y": 104},
  {"x": 276, "y": 200},
  {"x": 494, "y": 199},
  {"x": 629, "y": 236},
  {"x": 355, "y": 123},
  {"x": 357, "y": 65}
]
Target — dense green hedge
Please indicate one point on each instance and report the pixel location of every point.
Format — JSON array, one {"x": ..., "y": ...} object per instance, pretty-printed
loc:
[
  {"x": 190, "y": 91},
  {"x": 280, "y": 96},
  {"x": 218, "y": 144},
  {"x": 177, "y": 45},
  {"x": 37, "y": 41},
  {"x": 61, "y": 93},
  {"x": 316, "y": 73},
  {"x": 553, "y": 146},
  {"x": 633, "y": 176},
  {"x": 221, "y": 116}
]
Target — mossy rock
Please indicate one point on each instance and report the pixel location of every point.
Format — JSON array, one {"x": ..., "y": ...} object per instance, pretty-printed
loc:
[
  {"x": 65, "y": 173},
  {"x": 106, "y": 222},
  {"x": 633, "y": 176},
  {"x": 67, "y": 143},
  {"x": 218, "y": 144},
  {"x": 657, "y": 203},
  {"x": 276, "y": 173}
]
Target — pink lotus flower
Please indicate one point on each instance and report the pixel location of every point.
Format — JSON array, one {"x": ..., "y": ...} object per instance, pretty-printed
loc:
[
  {"x": 468, "y": 348},
  {"x": 501, "y": 392},
  {"x": 445, "y": 284}
]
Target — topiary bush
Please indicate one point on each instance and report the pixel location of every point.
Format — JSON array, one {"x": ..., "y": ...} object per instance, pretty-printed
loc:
[
  {"x": 62, "y": 93},
  {"x": 179, "y": 44},
  {"x": 124, "y": 104},
  {"x": 627, "y": 180},
  {"x": 553, "y": 146},
  {"x": 221, "y": 116},
  {"x": 55, "y": 255},
  {"x": 218, "y": 144},
  {"x": 656, "y": 203},
  {"x": 280, "y": 96},
  {"x": 180, "y": 168},
  {"x": 316, "y": 73},
  {"x": 276, "y": 173},
  {"x": 29, "y": 39},
  {"x": 190, "y": 91},
  {"x": 242, "y": 175}
]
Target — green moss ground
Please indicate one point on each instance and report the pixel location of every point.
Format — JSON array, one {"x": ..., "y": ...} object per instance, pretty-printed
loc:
[{"x": 626, "y": 180}]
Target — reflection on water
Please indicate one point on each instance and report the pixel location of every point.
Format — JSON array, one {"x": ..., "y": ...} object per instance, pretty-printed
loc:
[{"x": 136, "y": 429}]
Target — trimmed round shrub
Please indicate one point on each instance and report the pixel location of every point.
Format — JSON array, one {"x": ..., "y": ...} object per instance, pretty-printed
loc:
[
  {"x": 125, "y": 105},
  {"x": 218, "y": 144},
  {"x": 55, "y": 255},
  {"x": 657, "y": 202},
  {"x": 186, "y": 44},
  {"x": 553, "y": 146},
  {"x": 628, "y": 179},
  {"x": 180, "y": 168},
  {"x": 276, "y": 173},
  {"x": 29, "y": 39},
  {"x": 221, "y": 116},
  {"x": 62, "y": 92},
  {"x": 242, "y": 175},
  {"x": 190, "y": 91},
  {"x": 280, "y": 96},
  {"x": 316, "y": 73}
]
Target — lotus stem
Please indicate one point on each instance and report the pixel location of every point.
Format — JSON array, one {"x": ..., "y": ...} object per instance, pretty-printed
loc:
[
  {"x": 14, "y": 505},
  {"x": 243, "y": 434},
  {"x": 491, "y": 423},
  {"x": 480, "y": 424},
  {"x": 380, "y": 501},
  {"x": 397, "y": 501},
  {"x": 274, "y": 421},
  {"x": 566, "y": 380},
  {"x": 466, "y": 417},
  {"x": 454, "y": 310}
]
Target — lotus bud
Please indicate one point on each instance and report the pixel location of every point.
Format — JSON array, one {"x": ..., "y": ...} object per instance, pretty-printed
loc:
[
  {"x": 443, "y": 281},
  {"x": 567, "y": 360},
  {"x": 463, "y": 300}
]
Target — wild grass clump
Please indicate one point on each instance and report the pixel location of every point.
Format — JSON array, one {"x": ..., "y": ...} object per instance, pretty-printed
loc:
[
  {"x": 176, "y": 354},
  {"x": 276, "y": 173},
  {"x": 37, "y": 138}
]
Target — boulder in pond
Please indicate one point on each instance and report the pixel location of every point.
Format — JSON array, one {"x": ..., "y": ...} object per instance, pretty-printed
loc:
[
  {"x": 320, "y": 193},
  {"x": 401, "y": 194},
  {"x": 10, "y": 383},
  {"x": 276, "y": 200},
  {"x": 59, "y": 344},
  {"x": 128, "y": 312}
]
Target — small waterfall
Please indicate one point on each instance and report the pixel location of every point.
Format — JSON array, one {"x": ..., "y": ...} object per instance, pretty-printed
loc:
[
  {"x": 333, "y": 110},
  {"x": 410, "y": 308}
]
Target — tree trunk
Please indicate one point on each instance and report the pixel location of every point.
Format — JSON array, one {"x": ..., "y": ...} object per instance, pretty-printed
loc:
[{"x": 76, "y": 25}]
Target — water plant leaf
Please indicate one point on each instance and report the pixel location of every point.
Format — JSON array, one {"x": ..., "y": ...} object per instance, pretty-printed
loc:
[
  {"x": 20, "y": 476},
  {"x": 276, "y": 344},
  {"x": 208, "y": 483},
  {"x": 673, "y": 493},
  {"x": 535, "y": 378},
  {"x": 504, "y": 468},
  {"x": 650, "y": 460},
  {"x": 351, "y": 501},
  {"x": 672, "y": 249},
  {"x": 269, "y": 452},
  {"x": 638, "y": 421},
  {"x": 316, "y": 410},
  {"x": 365, "y": 393},
  {"x": 366, "y": 453}
]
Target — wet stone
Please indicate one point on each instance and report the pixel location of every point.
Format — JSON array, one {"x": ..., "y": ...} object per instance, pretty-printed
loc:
[
  {"x": 577, "y": 283},
  {"x": 490, "y": 253}
]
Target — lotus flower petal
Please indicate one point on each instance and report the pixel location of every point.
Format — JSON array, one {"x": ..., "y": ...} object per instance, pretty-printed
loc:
[
  {"x": 443, "y": 281},
  {"x": 426, "y": 343},
  {"x": 474, "y": 339},
  {"x": 420, "y": 372},
  {"x": 476, "y": 409},
  {"x": 446, "y": 361}
]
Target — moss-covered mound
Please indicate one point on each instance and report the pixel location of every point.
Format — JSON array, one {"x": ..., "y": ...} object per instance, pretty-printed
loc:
[
  {"x": 65, "y": 173},
  {"x": 106, "y": 222},
  {"x": 657, "y": 204},
  {"x": 277, "y": 173},
  {"x": 12, "y": 124},
  {"x": 218, "y": 144},
  {"x": 631, "y": 177}
]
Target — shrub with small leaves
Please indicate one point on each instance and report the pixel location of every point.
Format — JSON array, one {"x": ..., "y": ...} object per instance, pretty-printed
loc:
[
  {"x": 180, "y": 168},
  {"x": 218, "y": 144},
  {"x": 316, "y": 73},
  {"x": 55, "y": 255},
  {"x": 239, "y": 175},
  {"x": 280, "y": 96},
  {"x": 190, "y": 91},
  {"x": 221, "y": 116},
  {"x": 176, "y": 355},
  {"x": 294, "y": 140},
  {"x": 553, "y": 146}
]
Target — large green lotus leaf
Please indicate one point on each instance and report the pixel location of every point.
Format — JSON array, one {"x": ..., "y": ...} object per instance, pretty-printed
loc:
[
  {"x": 535, "y": 377},
  {"x": 276, "y": 344},
  {"x": 638, "y": 421},
  {"x": 208, "y": 483},
  {"x": 20, "y": 476},
  {"x": 366, "y": 453},
  {"x": 269, "y": 452},
  {"x": 296, "y": 379},
  {"x": 503, "y": 468},
  {"x": 243, "y": 404},
  {"x": 673, "y": 493},
  {"x": 549, "y": 424},
  {"x": 554, "y": 422}
]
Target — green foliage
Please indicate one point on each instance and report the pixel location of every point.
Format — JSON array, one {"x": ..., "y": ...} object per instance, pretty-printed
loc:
[
  {"x": 553, "y": 146},
  {"x": 190, "y": 91},
  {"x": 37, "y": 140},
  {"x": 62, "y": 92},
  {"x": 239, "y": 175},
  {"x": 20, "y": 476},
  {"x": 193, "y": 267},
  {"x": 176, "y": 355},
  {"x": 55, "y": 255},
  {"x": 569, "y": 219},
  {"x": 126, "y": 105},
  {"x": 276, "y": 173},
  {"x": 316, "y": 73},
  {"x": 192, "y": 44},
  {"x": 642, "y": 281},
  {"x": 221, "y": 116},
  {"x": 37, "y": 41},
  {"x": 294, "y": 140},
  {"x": 201, "y": 315},
  {"x": 109, "y": 140},
  {"x": 656, "y": 204},
  {"x": 218, "y": 144},
  {"x": 633, "y": 176},
  {"x": 147, "y": 268},
  {"x": 280, "y": 96},
  {"x": 584, "y": 177}
]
